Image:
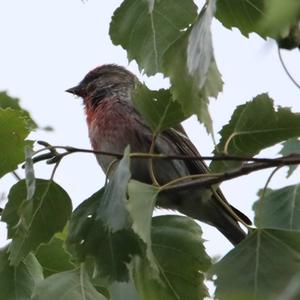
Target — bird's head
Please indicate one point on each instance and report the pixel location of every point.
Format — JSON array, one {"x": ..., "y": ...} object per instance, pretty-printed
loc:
[{"x": 105, "y": 81}]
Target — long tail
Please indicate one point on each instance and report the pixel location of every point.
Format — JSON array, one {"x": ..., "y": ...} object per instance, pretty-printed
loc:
[
  {"x": 228, "y": 225},
  {"x": 231, "y": 230},
  {"x": 210, "y": 211}
]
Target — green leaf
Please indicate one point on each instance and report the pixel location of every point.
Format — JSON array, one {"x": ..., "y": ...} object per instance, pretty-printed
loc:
[
  {"x": 181, "y": 259},
  {"x": 141, "y": 211},
  {"x": 158, "y": 108},
  {"x": 9, "y": 102},
  {"x": 146, "y": 33},
  {"x": 200, "y": 48},
  {"x": 13, "y": 131},
  {"x": 18, "y": 282},
  {"x": 69, "y": 285},
  {"x": 185, "y": 88},
  {"x": 243, "y": 14},
  {"x": 254, "y": 126},
  {"x": 53, "y": 257},
  {"x": 112, "y": 210},
  {"x": 279, "y": 17},
  {"x": 29, "y": 173},
  {"x": 111, "y": 252},
  {"x": 141, "y": 214},
  {"x": 151, "y": 5},
  {"x": 33, "y": 222},
  {"x": 279, "y": 209},
  {"x": 271, "y": 18},
  {"x": 13, "y": 103},
  {"x": 179, "y": 239},
  {"x": 193, "y": 73},
  {"x": 101, "y": 228},
  {"x": 292, "y": 290},
  {"x": 291, "y": 146},
  {"x": 260, "y": 267},
  {"x": 174, "y": 242},
  {"x": 81, "y": 224},
  {"x": 123, "y": 290}
]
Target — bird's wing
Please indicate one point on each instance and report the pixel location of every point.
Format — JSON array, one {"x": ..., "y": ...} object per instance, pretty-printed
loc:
[
  {"x": 184, "y": 145},
  {"x": 179, "y": 137}
]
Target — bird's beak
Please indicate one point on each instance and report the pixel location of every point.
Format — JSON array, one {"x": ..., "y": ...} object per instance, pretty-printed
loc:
[{"x": 74, "y": 90}]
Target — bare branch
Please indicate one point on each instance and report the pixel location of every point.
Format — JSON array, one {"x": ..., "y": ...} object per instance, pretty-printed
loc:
[
  {"x": 250, "y": 165},
  {"x": 70, "y": 150},
  {"x": 243, "y": 170}
]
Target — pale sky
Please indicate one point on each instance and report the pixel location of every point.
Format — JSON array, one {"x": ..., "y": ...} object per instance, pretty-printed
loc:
[{"x": 48, "y": 46}]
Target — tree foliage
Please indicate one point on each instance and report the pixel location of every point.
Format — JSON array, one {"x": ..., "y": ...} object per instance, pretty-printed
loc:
[{"x": 110, "y": 246}]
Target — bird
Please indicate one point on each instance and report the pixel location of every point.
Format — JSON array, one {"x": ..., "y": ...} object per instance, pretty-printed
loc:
[{"x": 114, "y": 123}]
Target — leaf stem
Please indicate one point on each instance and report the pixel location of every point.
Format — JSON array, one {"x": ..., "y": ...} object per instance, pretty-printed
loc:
[
  {"x": 261, "y": 200},
  {"x": 286, "y": 69},
  {"x": 150, "y": 161},
  {"x": 184, "y": 178},
  {"x": 16, "y": 175}
]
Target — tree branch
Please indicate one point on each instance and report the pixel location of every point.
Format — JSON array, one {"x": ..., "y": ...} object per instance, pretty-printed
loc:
[
  {"x": 250, "y": 165},
  {"x": 69, "y": 150},
  {"x": 243, "y": 170}
]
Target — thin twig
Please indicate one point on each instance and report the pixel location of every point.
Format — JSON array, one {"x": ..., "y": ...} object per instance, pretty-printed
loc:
[
  {"x": 227, "y": 207},
  {"x": 286, "y": 69},
  {"x": 243, "y": 170},
  {"x": 71, "y": 150},
  {"x": 54, "y": 170},
  {"x": 109, "y": 170},
  {"x": 262, "y": 197},
  {"x": 150, "y": 162},
  {"x": 16, "y": 175},
  {"x": 255, "y": 165},
  {"x": 188, "y": 177}
]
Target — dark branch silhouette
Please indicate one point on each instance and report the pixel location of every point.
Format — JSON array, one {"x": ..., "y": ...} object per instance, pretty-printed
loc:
[
  {"x": 250, "y": 164},
  {"x": 245, "y": 169}
]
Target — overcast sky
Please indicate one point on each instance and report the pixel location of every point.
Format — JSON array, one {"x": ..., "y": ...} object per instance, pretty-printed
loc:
[{"x": 48, "y": 46}]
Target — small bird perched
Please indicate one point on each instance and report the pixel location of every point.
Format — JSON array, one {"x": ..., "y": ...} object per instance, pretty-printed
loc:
[{"x": 114, "y": 123}]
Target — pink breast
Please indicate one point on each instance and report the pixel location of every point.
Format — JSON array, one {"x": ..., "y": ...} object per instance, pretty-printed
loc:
[{"x": 109, "y": 130}]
